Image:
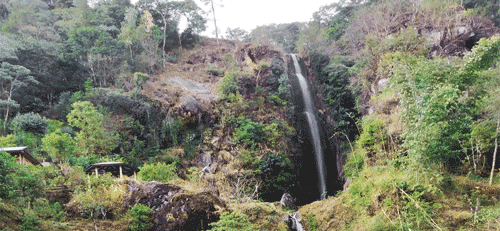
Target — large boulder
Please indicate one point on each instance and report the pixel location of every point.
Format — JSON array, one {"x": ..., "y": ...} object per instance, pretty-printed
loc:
[
  {"x": 173, "y": 208},
  {"x": 287, "y": 201}
]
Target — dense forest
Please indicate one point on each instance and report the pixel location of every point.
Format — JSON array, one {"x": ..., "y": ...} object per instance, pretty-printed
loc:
[{"x": 406, "y": 93}]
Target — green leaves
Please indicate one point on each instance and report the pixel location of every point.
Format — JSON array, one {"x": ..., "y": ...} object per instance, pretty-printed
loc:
[
  {"x": 483, "y": 55},
  {"x": 60, "y": 146},
  {"x": 160, "y": 172},
  {"x": 140, "y": 218},
  {"x": 30, "y": 122},
  {"x": 234, "y": 221},
  {"x": 91, "y": 139}
]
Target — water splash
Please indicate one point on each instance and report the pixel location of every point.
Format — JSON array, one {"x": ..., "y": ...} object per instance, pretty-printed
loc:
[{"x": 313, "y": 126}]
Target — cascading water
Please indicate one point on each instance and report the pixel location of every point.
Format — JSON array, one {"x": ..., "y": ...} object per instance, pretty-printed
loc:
[
  {"x": 313, "y": 126},
  {"x": 296, "y": 225}
]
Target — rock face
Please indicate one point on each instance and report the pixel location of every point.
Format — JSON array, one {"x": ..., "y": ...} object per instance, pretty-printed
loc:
[
  {"x": 288, "y": 201},
  {"x": 174, "y": 209}
]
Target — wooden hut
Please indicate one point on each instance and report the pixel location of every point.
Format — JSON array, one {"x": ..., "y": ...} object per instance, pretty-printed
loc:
[
  {"x": 117, "y": 169},
  {"x": 22, "y": 154}
]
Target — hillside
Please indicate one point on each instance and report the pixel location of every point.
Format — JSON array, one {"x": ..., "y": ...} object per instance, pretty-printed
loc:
[{"x": 375, "y": 115}]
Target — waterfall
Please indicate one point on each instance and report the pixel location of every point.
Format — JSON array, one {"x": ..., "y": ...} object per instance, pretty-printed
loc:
[
  {"x": 313, "y": 126},
  {"x": 296, "y": 225}
]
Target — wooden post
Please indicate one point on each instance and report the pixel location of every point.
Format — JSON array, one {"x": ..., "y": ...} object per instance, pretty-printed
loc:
[
  {"x": 135, "y": 175},
  {"x": 20, "y": 159},
  {"x": 121, "y": 173},
  {"x": 96, "y": 172}
]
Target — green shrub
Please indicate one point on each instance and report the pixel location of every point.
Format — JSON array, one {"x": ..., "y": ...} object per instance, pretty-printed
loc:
[
  {"x": 140, "y": 218},
  {"x": 160, "y": 172},
  {"x": 248, "y": 132},
  {"x": 58, "y": 145},
  {"x": 355, "y": 163},
  {"x": 373, "y": 134},
  {"x": 214, "y": 71},
  {"x": 232, "y": 81},
  {"x": 234, "y": 221},
  {"x": 7, "y": 166},
  {"x": 30, "y": 221},
  {"x": 30, "y": 122},
  {"x": 311, "y": 222},
  {"x": 247, "y": 158}
]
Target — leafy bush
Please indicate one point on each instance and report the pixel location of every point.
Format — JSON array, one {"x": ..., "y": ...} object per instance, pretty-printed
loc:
[
  {"x": 248, "y": 132},
  {"x": 84, "y": 161},
  {"x": 234, "y": 221},
  {"x": 160, "y": 172},
  {"x": 171, "y": 131},
  {"x": 140, "y": 218},
  {"x": 101, "y": 198},
  {"x": 7, "y": 166},
  {"x": 191, "y": 141},
  {"x": 232, "y": 81},
  {"x": 277, "y": 176},
  {"x": 30, "y": 221},
  {"x": 214, "y": 71},
  {"x": 58, "y": 145},
  {"x": 30, "y": 122},
  {"x": 373, "y": 135}
]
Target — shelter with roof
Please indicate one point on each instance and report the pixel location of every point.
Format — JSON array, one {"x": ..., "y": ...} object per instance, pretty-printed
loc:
[
  {"x": 22, "y": 154},
  {"x": 117, "y": 169}
]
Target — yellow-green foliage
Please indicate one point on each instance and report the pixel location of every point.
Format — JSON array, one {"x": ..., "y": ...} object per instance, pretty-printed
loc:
[
  {"x": 160, "y": 172},
  {"x": 7, "y": 141},
  {"x": 101, "y": 197},
  {"x": 370, "y": 142},
  {"x": 60, "y": 146},
  {"x": 91, "y": 138},
  {"x": 278, "y": 134},
  {"x": 263, "y": 216}
]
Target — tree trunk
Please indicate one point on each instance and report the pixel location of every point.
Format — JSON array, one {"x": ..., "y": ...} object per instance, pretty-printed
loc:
[
  {"x": 495, "y": 152},
  {"x": 215, "y": 22}
]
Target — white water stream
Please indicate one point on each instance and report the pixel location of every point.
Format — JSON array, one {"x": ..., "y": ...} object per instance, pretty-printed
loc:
[
  {"x": 313, "y": 126},
  {"x": 296, "y": 225}
]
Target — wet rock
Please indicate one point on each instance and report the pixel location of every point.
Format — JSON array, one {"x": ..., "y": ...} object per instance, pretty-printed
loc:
[
  {"x": 287, "y": 201},
  {"x": 205, "y": 159}
]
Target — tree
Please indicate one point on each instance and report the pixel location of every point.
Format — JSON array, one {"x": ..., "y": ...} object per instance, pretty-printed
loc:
[
  {"x": 91, "y": 139},
  {"x": 30, "y": 122},
  {"x": 59, "y": 145},
  {"x": 32, "y": 18},
  {"x": 12, "y": 78},
  {"x": 211, "y": 2},
  {"x": 236, "y": 34}
]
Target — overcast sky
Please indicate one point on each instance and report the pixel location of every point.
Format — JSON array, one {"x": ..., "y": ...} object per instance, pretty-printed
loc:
[{"x": 248, "y": 14}]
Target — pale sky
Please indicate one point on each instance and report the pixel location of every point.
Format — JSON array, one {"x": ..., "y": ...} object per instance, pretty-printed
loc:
[{"x": 248, "y": 14}]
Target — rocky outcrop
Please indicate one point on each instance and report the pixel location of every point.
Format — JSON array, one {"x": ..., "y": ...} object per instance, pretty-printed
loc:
[
  {"x": 458, "y": 39},
  {"x": 174, "y": 209},
  {"x": 287, "y": 201}
]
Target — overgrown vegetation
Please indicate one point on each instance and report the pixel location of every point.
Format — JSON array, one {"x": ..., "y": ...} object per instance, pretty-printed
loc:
[{"x": 82, "y": 85}]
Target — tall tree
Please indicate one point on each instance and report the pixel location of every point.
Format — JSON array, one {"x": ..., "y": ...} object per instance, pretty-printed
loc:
[
  {"x": 212, "y": 7},
  {"x": 12, "y": 78},
  {"x": 91, "y": 139}
]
